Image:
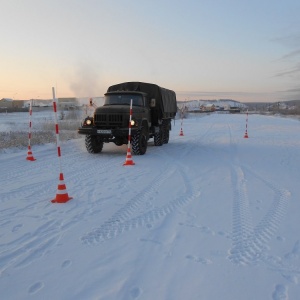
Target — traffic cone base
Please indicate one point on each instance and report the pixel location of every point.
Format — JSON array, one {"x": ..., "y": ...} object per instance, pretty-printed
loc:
[
  {"x": 29, "y": 155},
  {"x": 128, "y": 161},
  {"x": 181, "y": 132},
  {"x": 61, "y": 198},
  {"x": 62, "y": 194},
  {"x": 246, "y": 135}
]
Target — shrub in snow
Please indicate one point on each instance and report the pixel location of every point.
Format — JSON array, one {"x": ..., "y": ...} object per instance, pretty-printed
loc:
[{"x": 19, "y": 139}]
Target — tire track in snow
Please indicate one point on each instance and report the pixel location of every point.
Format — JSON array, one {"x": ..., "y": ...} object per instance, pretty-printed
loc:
[
  {"x": 31, "y": 246},
  {"x": 266, "y": 229},
  {"x": 111, "y": 230},
  {"x": 197, "y": 141},
  {"x": 37, "y": 188},
  {"x": 124, "y": 220},
  {"x": 269, "y": 225},
  {"x": 43, "y": 187},
  {"x": 242, "y": 231},
  {"x": 95, "y": 197},
  {"x": 250, "y": 242}
]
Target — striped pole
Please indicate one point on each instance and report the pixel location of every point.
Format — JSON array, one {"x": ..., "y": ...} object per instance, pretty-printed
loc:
[
  {"x": 129, "y": 161},
  {"x": 61, "y": 195},
  {"x": 29, "y": 153},
  {"x": 246, "y": 132},
  {"x": 181, "y": 131},
  {"x": 56, "y": 129}
]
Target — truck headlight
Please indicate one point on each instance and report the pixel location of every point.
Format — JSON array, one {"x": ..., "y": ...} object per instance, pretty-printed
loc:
[{"x": 88, "y": 121}]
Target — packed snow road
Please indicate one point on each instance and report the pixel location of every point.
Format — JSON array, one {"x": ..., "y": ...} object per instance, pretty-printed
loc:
[{"x": 211, "y": 215}]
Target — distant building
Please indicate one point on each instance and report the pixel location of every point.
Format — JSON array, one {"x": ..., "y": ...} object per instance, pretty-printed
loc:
[
  {"x": 18, "y": 103},
  {"x": 234, "y": 109},
  {"x": 219, "y": 108},
  {"x": 210, "y": 107},
  {"x": 6, "y": 103},
  {"x": 67, "y": 103},
  {"x": 11, "y": 105}
]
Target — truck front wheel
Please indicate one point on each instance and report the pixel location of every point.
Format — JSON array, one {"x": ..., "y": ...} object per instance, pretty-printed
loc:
[
  {"x": 93, "y": 143},
  {"x": 139, "y": 142}
]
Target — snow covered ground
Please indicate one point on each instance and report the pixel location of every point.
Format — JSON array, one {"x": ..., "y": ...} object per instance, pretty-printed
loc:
[
  {"x": 211, "y": 215},
  {"x": 17, "y": 121}
]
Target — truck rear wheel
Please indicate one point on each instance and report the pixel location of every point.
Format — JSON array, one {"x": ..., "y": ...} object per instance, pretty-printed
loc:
[
  {"x": 93, "y": 143},
  {"x": 166, "y": 136},
  {"x": 139, "y": 142},
  {"x": 158, "y": 138},
  {"x": 166, "y": 133}
]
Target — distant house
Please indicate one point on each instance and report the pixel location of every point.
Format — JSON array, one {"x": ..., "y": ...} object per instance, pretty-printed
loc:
[
  {"x": 6, "y": 103},
  {"x": 234, "y": 109},
  {"x": 219, "y": 108},
  {"x": 9, "y": 104},
  {"x": 18, "y": 103},
  {"x": 210, "y": 107},
  {"x": 67, "y": 103},
  {"x": 38, "y": 103}
]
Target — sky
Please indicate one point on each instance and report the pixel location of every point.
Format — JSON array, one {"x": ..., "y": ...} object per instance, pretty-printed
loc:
[{"x": 201, "y": 49}]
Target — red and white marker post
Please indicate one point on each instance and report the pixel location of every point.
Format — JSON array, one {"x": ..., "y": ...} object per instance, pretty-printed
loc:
[
  {"x": 129, "y": 161},
  {"x": 29, "y": 153},
  {"x": 61, "y": 195},
  {"x": 246, "y": 132},
  {"x": 181, "y": 131}
]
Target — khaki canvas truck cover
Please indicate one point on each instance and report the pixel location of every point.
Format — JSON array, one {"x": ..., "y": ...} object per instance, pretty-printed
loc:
[{"x": 165, "y": 99}]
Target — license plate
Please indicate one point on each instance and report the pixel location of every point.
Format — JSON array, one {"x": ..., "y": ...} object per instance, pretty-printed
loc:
[{"x": 105, "y": 131}]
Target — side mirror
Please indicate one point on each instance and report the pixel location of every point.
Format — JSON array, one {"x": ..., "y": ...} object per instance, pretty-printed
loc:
[{"x": 152, "y": 103}]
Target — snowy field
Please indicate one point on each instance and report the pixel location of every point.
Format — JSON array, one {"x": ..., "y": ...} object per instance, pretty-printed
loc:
[
  {"x": 18, "y": 121},
  {"x": 210, "y": 216},
  {"x": 14, "y": 127}
]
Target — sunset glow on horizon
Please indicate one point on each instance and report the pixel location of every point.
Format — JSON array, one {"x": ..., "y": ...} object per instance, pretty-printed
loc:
[{"x": 241, "y": 50}]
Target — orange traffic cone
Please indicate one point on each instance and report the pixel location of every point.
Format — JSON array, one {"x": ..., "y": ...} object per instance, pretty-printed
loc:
[
  {"x": 181, "y": 132},
  {"x": 246, "y": 134},
  {"x": 128, "y": 161},
  {"x": 61, "y": 195},
  {"x": 29, "y": 155}
]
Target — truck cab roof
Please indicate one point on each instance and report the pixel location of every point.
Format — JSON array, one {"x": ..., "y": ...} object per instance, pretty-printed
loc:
[{"x": 126, "y": 92}]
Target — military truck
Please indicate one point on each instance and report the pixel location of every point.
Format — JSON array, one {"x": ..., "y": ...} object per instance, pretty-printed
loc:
[{"x": 153, "y": 109}]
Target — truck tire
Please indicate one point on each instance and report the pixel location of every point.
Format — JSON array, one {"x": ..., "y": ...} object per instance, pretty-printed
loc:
[
  {"x": 158, "y": 138},
  {"x": 93, "y": 143},
  {"x": 166, "y": 133},
  {"x": 139, "y": 142}
]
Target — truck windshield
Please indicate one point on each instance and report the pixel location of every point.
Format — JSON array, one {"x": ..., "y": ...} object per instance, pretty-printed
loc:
[{"x": 123, "y": 99}]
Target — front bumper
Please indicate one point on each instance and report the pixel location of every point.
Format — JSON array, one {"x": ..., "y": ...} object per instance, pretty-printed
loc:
[{"x": 107, "y": 133}]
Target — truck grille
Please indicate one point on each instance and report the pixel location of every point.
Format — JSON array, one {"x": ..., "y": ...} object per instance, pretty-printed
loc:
[{"x": 108, "y": 120}]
